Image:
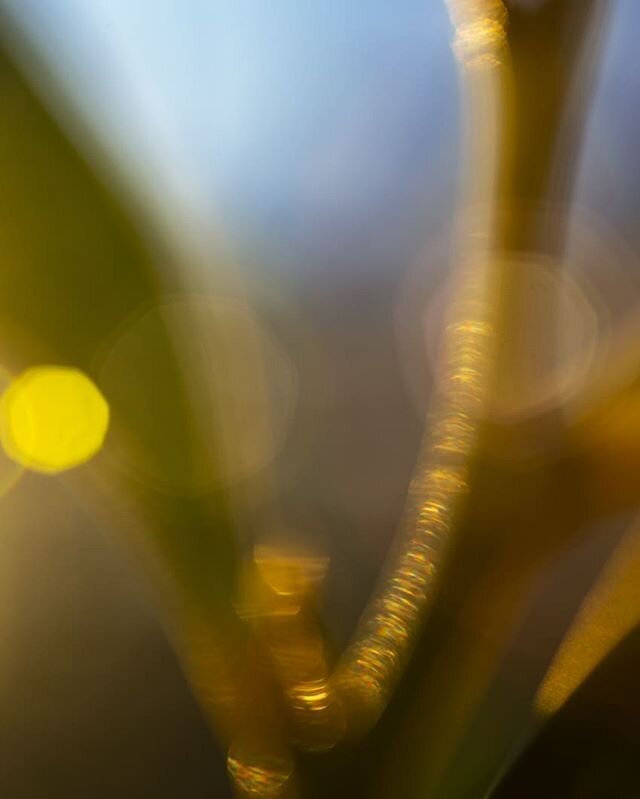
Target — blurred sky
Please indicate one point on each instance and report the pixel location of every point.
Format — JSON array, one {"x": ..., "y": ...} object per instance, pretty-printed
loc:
[
  {"x": 285, "y": 116},
  {"x": 297, "y": 121}
]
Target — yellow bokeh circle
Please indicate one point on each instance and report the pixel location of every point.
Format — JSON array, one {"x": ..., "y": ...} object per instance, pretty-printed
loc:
[{"x": 52, "y": 418}]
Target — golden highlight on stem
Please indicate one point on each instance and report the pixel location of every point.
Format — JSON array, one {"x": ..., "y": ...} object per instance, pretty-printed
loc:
[
  {"x": 481, "y": 39},
  {"x": 375, "y": 660}
]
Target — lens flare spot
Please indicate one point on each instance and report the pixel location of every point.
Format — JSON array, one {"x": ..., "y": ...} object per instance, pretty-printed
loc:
[{"x": 52, "y": 418}]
